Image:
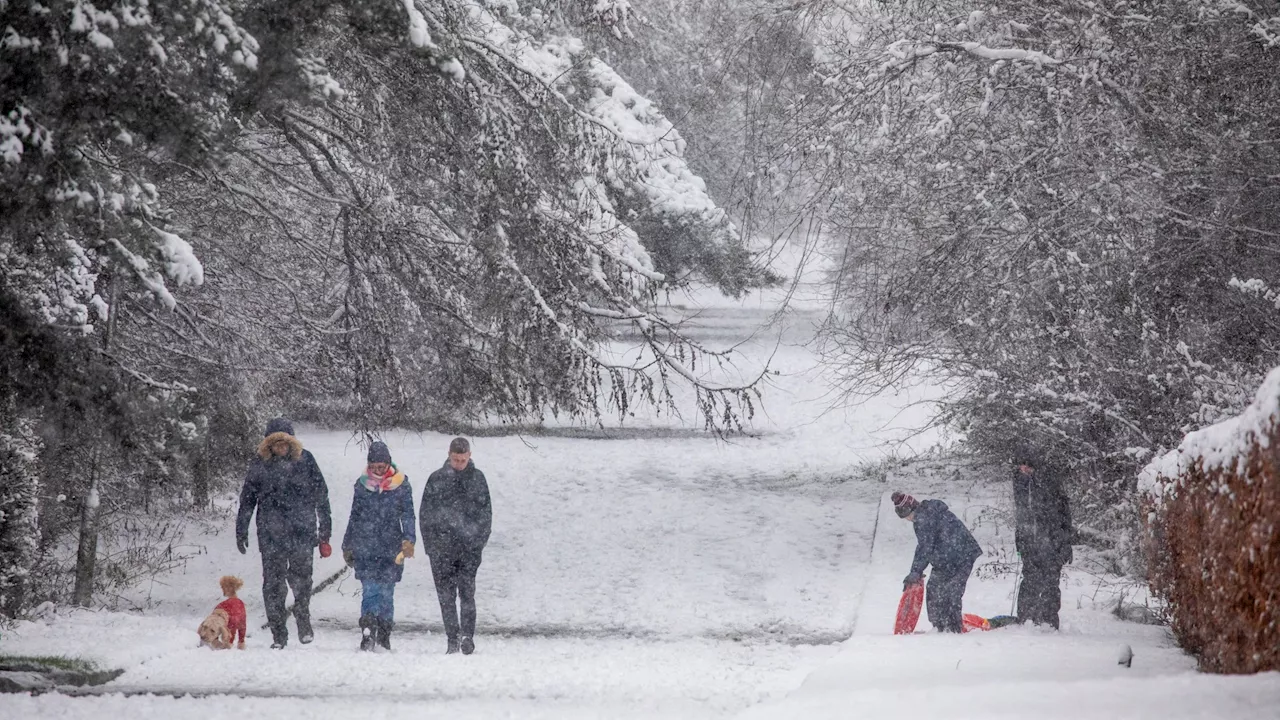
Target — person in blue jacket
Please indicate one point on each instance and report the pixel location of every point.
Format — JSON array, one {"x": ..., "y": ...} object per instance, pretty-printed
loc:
[
  {"x": 944, "y": 542},
  {"x": 381, "y": 533}
]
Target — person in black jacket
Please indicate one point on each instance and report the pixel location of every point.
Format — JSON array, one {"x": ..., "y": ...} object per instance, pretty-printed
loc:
[
  {"x": 456, "y": 518},
  {"x": 381, "y": 531},
  {"x": 285, "y": 486},
  {"x": 944, "y": 542},
  {"x": 1043, "y": 538}
]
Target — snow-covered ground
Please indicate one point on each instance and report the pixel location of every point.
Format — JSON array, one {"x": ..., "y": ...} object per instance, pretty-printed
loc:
[
  {"x": 1014, "y": 672},
  {"x": 657, "y": 573},
  {"x": 720, "y": 654}
]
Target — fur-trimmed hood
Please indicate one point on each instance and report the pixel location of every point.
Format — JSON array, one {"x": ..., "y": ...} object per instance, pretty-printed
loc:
[{"x": 295, "y": 445}]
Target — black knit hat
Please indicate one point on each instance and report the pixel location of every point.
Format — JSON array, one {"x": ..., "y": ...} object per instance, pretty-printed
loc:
[
  {"x": 1025, "y": 456},
  {"x": 379, "y": 453},
  {"x": 275, "y": 425},
  {"x": 904, "y": 504}
]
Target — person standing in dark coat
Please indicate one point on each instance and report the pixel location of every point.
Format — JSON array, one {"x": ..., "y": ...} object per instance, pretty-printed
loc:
[
  {"x": 456, "y": 518},
  {"x": 1043, "y": 537},
  {"x": 944, "y": 542},
  {"x": 284, "y": 484},
  {"x": 380, "y": 534}
]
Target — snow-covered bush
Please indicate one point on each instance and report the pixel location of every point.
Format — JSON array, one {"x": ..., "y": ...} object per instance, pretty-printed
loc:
[
  {"x": 19, "y": 514},
  {"x": 1213, "y": 525}
]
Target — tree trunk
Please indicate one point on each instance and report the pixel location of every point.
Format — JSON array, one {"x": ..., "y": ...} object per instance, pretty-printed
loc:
[
  {"x": 87, "y": 555},
  {"x": 87, "y": 552},
  {"x": 200, "y": 474}
]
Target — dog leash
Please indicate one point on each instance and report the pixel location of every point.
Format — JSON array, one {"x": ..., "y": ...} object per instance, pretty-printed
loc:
[{"x": 324, "y": 584}]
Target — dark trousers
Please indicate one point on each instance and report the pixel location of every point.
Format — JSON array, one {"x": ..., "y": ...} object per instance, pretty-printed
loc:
[
  {"x": 455, "y": 577},
  {"x": 285, "y": 569},
  {"x": 944, "y": 596},
  {"x": 1040, "y": 594}
]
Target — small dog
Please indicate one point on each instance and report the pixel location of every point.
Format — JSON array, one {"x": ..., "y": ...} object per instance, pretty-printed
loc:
[{"x": 227, "y": 620}]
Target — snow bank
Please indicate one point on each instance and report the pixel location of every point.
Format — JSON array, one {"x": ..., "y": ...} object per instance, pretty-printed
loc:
[{"x": 989, "y": 691}]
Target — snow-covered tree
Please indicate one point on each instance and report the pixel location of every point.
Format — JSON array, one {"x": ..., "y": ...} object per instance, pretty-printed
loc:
[
  {"x": 456, "y": 227},
  {"x": 1046, "y": 203},
  {"x": 378, "y": 212}
]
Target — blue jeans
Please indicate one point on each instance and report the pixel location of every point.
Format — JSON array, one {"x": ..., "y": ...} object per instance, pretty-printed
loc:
[{"x": 378, "y": 599}]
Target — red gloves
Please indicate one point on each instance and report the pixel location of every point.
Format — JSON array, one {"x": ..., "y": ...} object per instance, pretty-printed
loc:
[{"x": 325, "y": 550}]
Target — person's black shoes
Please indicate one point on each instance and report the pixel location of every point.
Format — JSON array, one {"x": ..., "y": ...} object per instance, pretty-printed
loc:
[
  {"x": 468, "y": 646},
  {"x": 384, "y": 634},
  {"x": 368, "y": 632},
  {"x": 452, "y": 649},
  {"x": 279, "y": 644}
]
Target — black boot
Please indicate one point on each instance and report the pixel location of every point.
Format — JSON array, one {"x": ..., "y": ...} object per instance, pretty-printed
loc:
[
  {"x": 468, "y": 646},
  {"x": 384, "y": 634},
  {"x": 368, "y": 632},
  {"x": 452, "y": 647},
  {"x": 305, "y": 633},
  {"x": 279, "y": 636}
]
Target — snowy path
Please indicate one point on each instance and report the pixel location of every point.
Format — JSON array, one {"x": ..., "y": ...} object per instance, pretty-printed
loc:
[{"x": 627, "y": 578}]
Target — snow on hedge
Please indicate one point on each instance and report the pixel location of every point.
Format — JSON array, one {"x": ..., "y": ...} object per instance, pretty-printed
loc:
[{"x": 1220, "y": 445}]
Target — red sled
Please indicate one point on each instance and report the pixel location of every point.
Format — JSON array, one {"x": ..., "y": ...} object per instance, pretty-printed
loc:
[
  {"x": 909, "y": 613},
  {"x": 909, "y": 609}
]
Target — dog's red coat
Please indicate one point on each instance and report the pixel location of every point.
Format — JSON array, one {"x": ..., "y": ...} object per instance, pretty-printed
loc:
[{"x": 237, "y": 621}]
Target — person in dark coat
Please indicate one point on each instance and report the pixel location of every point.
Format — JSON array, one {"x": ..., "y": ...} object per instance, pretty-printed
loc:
[
  {"x": 944, "y": 542},
  {"x": 381, "y": 532},
  {"x": 284, "y": 484},
  {"x": 456, "y": 518},
  {"x": 1043, "y": 538}
]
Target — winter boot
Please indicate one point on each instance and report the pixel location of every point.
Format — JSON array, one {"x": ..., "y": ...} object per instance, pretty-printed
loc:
[
  {"x": 384, "y": 634},
  {"x": 303, "y": 617},
  {"x": 452, "y": 647},
  {"x": 468, "y": 646},
  {"x": 279, "y": 636},
  {"x": 368, "y": 632}
]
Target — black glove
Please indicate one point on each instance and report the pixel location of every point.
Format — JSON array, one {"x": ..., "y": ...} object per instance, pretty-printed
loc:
[
  {"x": 242, "y": 544},
  {"x": 914, "y": 578},
  {"x": 350, "y": 557}
]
